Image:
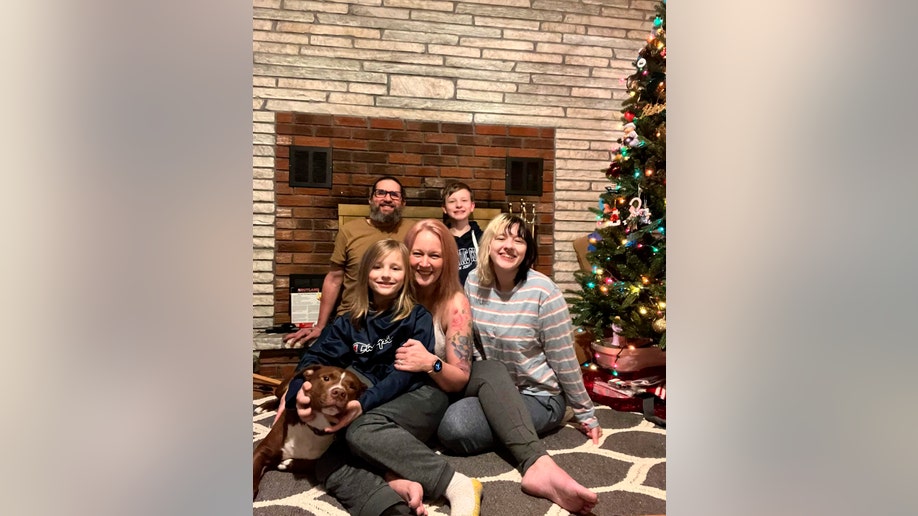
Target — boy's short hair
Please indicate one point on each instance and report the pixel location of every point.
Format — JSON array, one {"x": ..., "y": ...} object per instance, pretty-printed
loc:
[{"x": 454, "y": 187}]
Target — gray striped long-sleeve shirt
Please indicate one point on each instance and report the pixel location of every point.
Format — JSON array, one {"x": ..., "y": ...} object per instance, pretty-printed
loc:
[{"x": 529, "y": 330}]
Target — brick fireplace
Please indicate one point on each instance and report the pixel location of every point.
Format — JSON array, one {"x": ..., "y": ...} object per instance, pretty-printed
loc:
[{"x": 425, "y": 156}]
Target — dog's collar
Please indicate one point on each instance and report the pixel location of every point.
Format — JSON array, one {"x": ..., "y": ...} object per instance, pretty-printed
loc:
[{"x": 318, "y": 431}]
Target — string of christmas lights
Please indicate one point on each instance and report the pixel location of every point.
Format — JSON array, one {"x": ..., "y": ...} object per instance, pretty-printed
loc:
[{"x": 626, "y": 287}]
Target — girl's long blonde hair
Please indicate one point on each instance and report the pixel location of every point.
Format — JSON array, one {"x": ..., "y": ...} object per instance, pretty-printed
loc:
[
  {"x": 499, "y": 225},
  {"x": 442, "y": 291},
  {"x": 403, "y": 304}
]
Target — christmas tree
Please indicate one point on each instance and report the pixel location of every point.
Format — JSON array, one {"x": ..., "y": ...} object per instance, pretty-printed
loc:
[{"x": 626, "y": 289}]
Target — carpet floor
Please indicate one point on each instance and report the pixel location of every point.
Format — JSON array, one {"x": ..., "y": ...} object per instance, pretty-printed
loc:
[{"x": 627, "y": 470}]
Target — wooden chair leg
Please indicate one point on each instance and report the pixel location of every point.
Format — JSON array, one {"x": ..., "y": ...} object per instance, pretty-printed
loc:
[{"x": 257, "y": 378}]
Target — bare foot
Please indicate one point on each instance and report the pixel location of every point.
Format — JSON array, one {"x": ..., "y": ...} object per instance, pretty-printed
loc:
[
  {"x": 545, "y": 479},
  {"x": 411, "y": 492}
]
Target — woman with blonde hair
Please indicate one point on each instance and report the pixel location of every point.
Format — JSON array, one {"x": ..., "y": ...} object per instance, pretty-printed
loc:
[
  {"x": 524, "y": 327},
  {"x": 432, "y": 250}
]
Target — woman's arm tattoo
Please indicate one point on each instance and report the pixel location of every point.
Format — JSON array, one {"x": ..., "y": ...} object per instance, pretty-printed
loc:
[{"x": 460, "y": 340}]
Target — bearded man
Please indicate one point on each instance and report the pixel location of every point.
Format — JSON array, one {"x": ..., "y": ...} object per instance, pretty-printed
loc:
[{"x": 387, "y": 197}]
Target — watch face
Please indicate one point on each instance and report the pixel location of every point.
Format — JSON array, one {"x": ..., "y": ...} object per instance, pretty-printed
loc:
[{"x": 438, "y": 366}]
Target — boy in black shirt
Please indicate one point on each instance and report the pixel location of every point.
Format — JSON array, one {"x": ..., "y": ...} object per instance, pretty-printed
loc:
[{"x": 458, "y": 206}]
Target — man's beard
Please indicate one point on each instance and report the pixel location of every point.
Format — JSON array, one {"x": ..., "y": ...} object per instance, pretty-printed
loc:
[{"x": 381, "y": 219}]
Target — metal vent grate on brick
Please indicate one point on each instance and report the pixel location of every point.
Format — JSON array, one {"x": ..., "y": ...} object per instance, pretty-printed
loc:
[
  {"x": 310, "y": 166},
  {"x": 524, "y": 176}
]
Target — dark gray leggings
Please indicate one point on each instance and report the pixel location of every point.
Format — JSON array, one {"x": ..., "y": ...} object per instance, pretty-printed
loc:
[
  {"x": 494, "y": 412},
  {"x": 392, "y": 437}
]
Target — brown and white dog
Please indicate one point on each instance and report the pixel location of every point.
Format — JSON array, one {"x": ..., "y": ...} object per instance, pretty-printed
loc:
[{"x": 291, "y": 439}]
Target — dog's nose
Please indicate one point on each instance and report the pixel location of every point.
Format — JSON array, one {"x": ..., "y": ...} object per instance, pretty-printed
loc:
[{"x": 338, "y": 393}]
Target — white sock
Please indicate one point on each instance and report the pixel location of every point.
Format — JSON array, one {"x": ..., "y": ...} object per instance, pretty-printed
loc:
[{"x": 464, "y": 495}]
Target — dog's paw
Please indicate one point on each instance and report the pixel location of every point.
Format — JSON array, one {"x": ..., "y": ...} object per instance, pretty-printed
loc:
[{"x": 284, "y": 464}]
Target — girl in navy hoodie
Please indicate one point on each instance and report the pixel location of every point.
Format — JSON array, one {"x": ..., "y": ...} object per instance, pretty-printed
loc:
[
  {"x": 364, "y": 340},
  {"x": 385, "y": 316}
]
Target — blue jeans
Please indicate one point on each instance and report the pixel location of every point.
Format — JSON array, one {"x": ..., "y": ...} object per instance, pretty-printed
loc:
[{"x": 494, "y": 411}]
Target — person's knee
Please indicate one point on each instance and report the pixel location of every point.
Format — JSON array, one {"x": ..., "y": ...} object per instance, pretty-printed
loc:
[
  {"x": 361, "y": 428},
  {"x": 454, "y": 437}
]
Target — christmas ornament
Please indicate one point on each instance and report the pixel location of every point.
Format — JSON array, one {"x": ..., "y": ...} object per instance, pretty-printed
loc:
[
  {"x": 641, "y": 63},
  {"x": 632, "y": 139},
  {"x": 629, "y": 116},
  {"x": 614, "y": 220},
  {"x": 614, "y": 170},
  {"x": 653, "y": 109},
  {"x": 637, "y": 213},
  {"x": 659, "y": 325}
]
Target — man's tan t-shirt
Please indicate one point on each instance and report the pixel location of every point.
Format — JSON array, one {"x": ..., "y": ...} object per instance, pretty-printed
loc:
[{"x": 353, "y": 240}]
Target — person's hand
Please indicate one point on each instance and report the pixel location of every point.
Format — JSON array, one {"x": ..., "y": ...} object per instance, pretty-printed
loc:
[
  {"x": 413, "y": 357},
  {"x": 351, "y": 412},
  {"x": 303, "y": 408},
  {"x": 280, "y": 407},
  {"x": 302, "y": 336},
  {"x": 593, "y": 433}
]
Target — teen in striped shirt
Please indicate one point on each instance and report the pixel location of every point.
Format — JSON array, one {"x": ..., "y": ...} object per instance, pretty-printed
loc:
[{"x": 524, "y": 327}]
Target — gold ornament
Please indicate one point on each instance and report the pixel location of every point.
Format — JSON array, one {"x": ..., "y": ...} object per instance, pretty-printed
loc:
[
  {"x": 653, "y": 109},
  {"x": 659, "y": 325}
]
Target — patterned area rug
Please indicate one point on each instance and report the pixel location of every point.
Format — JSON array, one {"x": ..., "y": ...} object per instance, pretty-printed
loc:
[{"x": 627, "y": 470}]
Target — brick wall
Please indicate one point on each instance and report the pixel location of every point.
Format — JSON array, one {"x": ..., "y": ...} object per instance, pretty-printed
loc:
[
  {"x": 544, "y": 64},
  {"x": 424, "y": 156}
]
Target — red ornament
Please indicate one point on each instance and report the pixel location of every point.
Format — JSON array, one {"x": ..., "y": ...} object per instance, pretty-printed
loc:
[{"x": 629, "y": 116}]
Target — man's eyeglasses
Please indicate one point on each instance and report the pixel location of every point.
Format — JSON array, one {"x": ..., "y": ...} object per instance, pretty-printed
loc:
[{"x": 382, "y": 193}]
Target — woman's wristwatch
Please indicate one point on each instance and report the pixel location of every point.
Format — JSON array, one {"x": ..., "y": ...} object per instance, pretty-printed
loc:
[{"x": 437, "y": 367}]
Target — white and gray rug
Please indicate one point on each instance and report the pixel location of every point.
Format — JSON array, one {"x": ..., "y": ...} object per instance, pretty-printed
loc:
[{"x": 627, "y": 470}]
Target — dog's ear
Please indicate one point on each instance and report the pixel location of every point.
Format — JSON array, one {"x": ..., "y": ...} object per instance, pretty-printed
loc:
[{"x": 309, "y": 372}]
